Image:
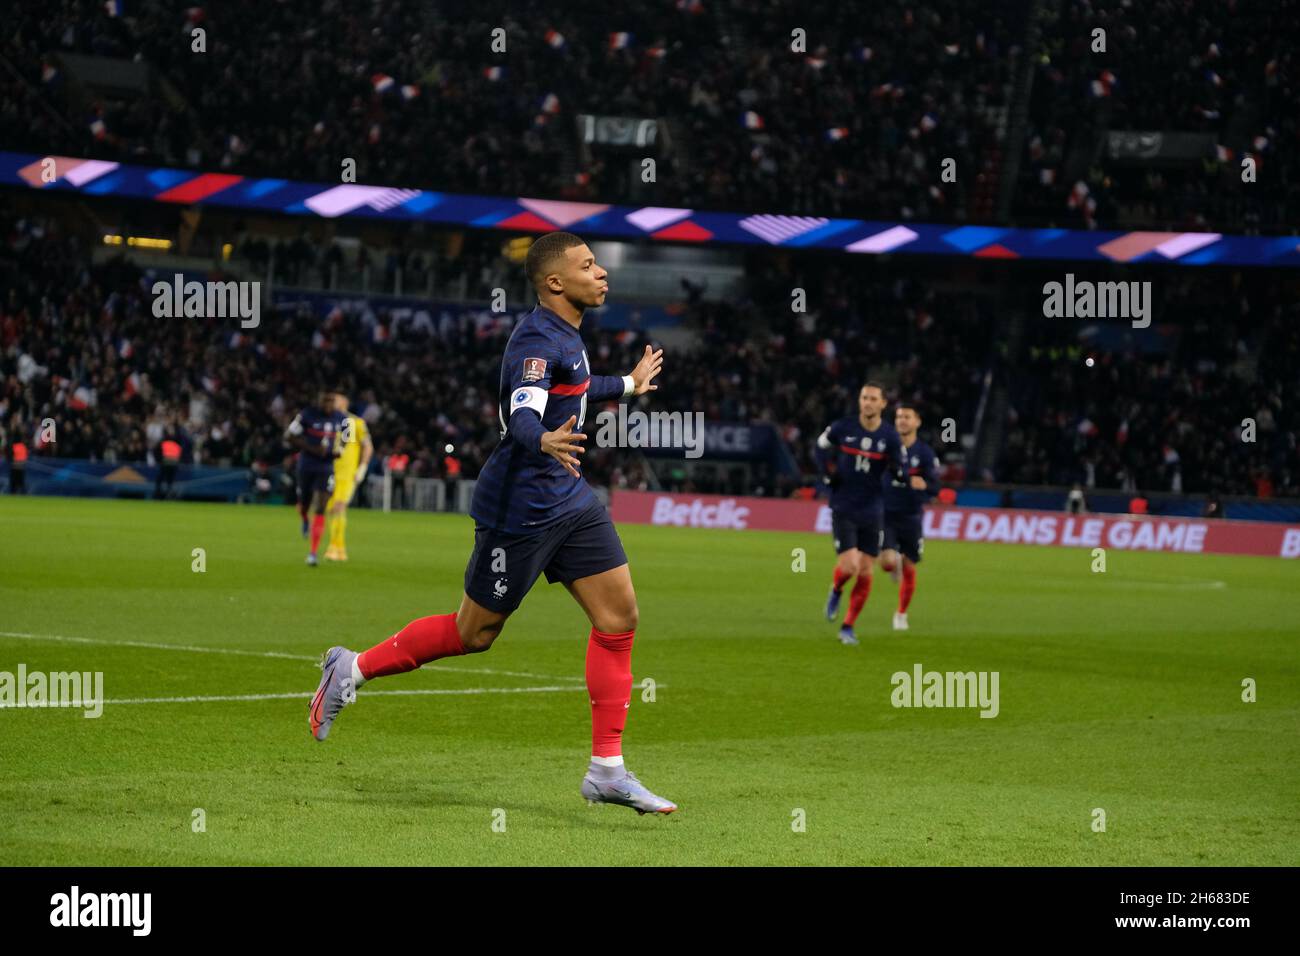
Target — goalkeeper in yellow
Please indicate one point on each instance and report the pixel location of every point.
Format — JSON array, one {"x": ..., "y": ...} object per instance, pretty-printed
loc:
[{"x": 349, "y": 469}]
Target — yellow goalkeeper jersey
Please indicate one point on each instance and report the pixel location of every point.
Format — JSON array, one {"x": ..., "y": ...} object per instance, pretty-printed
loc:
[{"x": 345, "y": 466}]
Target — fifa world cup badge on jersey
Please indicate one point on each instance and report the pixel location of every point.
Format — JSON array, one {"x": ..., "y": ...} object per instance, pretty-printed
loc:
[{"x": 534, "y": 369}]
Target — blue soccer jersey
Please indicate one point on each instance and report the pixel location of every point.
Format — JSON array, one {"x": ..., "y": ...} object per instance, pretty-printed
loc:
[
  {"x": 545, "y": 379},
  {"x": 321, "y": 430},
  {"x": 900, "y": 496},
  {"x": 862, "y": 461}
]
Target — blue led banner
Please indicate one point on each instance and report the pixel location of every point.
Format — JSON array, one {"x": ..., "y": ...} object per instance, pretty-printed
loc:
[{"x": 655, "y": 223}]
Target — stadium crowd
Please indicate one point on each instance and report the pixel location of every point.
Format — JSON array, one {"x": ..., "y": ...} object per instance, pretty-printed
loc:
[
  {"x": 1225, "y": 70},
  {"x": 856, "y": 123},
  {"x": 1209, "y": 414}
]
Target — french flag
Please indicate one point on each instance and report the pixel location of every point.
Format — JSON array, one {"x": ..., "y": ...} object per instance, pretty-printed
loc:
[
  {"x": 551, "y": 104},
  {"x": 837, "y": 133},
  {"x": 1223, "y": 154},
  {"x": 382, "y": 82},
  {"x": 115, "y": 8},
  {"x": 494, "y": 73},
  {"x": 656, "y": 52},
  {"x": 410, "y": 91},
  {"x": 49, "y": 73},
  {"x": 751, "y": 120},
  {"x": 98, "y": 129},
  {"x": 815, "y": 62},
  {"x": 555, "y": 39},
  {"x": 620, "y": 41},
  {"x": 133, "y": 385},
  {"x": 81, "y": 398},
  {"x": 124, "y": 348}
]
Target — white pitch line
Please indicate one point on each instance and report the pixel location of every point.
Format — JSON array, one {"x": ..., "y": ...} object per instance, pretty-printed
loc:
[
  {"x": 155, "y": 646},
  {"x": 150, "y": 645},
  {"x": 307, "y": 695}
]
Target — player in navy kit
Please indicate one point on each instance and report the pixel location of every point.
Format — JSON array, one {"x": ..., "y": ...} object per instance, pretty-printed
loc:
[
  {"x": 904, "y": 509},
  {"x": 315, "y": 433},
  {"x": 857, "y": 455},
  {"x": 535, "y": 514}
]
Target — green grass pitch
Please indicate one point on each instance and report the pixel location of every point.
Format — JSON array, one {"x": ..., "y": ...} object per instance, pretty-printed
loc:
[{"x": 1119, "y": 690}]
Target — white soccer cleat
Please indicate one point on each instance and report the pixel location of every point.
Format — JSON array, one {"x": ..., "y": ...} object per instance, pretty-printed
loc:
[{"x": 900, "y": 621}]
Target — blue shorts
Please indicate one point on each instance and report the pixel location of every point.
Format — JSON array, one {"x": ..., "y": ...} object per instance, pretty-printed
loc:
[
  {"x": 904, "y": 534},
  {"x": 504, "y": 567},
  {"x": 861, "y": 530},
  {"x": 313, "y": 481}
]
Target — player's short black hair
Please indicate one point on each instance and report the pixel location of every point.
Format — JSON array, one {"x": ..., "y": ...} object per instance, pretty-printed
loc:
[
  {"x": 898, "y": 406},
  {"x": 872, "y": 383},
  {"x": 544, "y": 252}
]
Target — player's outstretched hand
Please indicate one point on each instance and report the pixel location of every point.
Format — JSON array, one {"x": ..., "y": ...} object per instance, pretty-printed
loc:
[
  {"x": 563, "y": 444},
  {"x": 918, "y": 483},
  {"x": 651, "y": 364}
]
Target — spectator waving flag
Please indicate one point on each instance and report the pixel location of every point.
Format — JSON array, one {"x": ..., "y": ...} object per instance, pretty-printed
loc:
[
  {"x": 555, "y": 39},
  {"x": 494, "y": 73},
  {"x": 837, "y": 133},
  {"x": 751, "y": 120},
  {"x": 620, "y": 41},
  {"x": 382, "y": 82}
]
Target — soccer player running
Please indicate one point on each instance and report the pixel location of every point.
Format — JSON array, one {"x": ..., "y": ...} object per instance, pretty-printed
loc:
[
  {"x": 356, "y": 450},
  {"x": 856, "y": 455},
  {"x": 904, "y": 507},
  {"x": 534, "y": 513},
  {"x": 315, "y": 432}
]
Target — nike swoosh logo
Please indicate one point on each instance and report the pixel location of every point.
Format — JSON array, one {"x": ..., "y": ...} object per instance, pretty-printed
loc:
[{"x": 577, "y": 363}]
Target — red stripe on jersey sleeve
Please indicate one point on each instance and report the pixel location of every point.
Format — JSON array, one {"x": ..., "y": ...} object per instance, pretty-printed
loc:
[{"x": 571, "y": 389}]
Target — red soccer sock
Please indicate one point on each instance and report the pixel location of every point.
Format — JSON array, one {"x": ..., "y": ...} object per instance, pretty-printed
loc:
[
  {"x": 423, "y": 640},
  {"x": 907, "y": 588},
  {"x": 317, "y": 527},
  {"x": 857, "y": 598},
  {"x": 609, "y": 685},
  {"x": 841, "y": 578}
]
